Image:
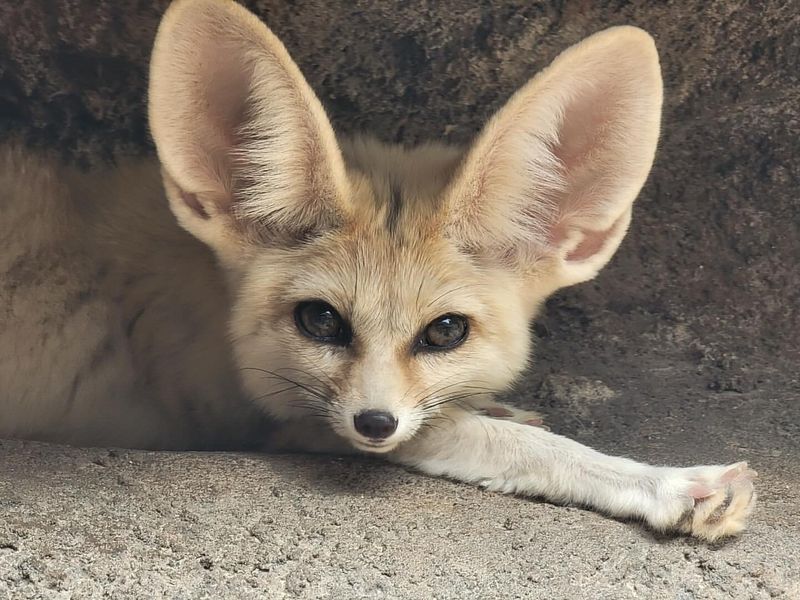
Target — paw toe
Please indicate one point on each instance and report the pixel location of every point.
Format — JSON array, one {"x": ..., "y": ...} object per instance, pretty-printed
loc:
[{"x": 725, "y": 510}]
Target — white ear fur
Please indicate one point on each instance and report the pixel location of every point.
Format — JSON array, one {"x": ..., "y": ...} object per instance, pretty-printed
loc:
[
  {"x": 240, "y": 134},
  {"x": 553, "y": 175}
]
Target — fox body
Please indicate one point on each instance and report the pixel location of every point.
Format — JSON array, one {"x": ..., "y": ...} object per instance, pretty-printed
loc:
[{"x": 267, "y": 285}]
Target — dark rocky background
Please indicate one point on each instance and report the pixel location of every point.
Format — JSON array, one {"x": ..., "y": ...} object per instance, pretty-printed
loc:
[{"x": 686, "y": 347}]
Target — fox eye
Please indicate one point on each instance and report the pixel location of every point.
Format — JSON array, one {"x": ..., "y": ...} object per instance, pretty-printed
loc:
[
  {"x": 320, "y": 321},
  {"x": 444, "y": 333}
]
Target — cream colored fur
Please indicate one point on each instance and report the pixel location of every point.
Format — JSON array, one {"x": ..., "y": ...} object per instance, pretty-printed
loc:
[{"x": 119, "y": 327}]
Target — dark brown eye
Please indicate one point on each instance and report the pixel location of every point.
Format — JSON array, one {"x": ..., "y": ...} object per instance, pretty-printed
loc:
[
  {"x": 444, "y": 333},
  {"x": 320, "y": 321}
]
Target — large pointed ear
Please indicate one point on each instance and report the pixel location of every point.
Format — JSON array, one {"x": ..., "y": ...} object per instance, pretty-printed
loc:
[
  {"x": 244, "y": 143},
  {"x": 551, "y": 179}
]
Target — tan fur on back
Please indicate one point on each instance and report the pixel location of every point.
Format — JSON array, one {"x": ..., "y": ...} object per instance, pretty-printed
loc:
[{"x": 110, "y": 329}]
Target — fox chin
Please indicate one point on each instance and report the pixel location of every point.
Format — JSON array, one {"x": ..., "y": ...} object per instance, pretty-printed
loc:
[{"x": 365, "y": 297}]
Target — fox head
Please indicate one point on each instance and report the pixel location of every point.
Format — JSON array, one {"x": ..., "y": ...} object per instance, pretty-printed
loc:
[{"x": 372, "y": 286}]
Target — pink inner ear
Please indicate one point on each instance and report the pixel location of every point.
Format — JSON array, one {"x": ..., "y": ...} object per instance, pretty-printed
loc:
[
  {"x": 208, "y": 84},
  {"x": 227, "y": 74},
  {"x": 586, "y": 124},
  {"x": 590, "y": 245},
  {"x": 584, "y": 136},
  {"x": 592, "y": 242}
]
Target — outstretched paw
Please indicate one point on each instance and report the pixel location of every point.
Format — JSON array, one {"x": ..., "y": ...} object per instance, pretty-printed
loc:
[{"x": 722, "y": 498}]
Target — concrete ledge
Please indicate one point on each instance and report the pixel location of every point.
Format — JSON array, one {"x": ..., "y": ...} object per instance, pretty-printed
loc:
[{"x": 118, "y": 524}]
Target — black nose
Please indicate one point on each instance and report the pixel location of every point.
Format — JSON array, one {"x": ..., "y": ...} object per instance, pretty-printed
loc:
[{"x": 375, "y": 424}]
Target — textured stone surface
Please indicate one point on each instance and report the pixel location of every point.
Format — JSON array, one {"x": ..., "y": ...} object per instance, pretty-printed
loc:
[
  {"x": 82, "y": 524},
  {"x": 684, "y": 350}
]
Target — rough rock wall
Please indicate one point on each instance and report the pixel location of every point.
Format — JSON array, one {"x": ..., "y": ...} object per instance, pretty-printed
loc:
[{"x": 709, "y": 270}]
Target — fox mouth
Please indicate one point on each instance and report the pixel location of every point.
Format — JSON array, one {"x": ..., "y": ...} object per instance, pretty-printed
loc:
[{"x": 374, "y": 446}]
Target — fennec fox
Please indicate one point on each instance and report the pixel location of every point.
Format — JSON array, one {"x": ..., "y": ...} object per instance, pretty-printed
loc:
[{"x": 365, "y": 297}]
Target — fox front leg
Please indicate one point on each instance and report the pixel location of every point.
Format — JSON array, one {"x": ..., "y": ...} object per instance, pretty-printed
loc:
[{"x": 708, "y": 502}]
